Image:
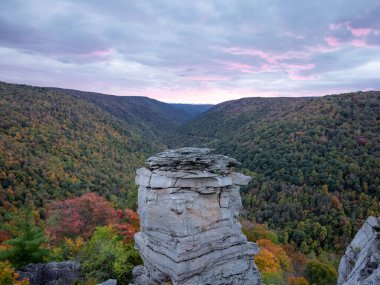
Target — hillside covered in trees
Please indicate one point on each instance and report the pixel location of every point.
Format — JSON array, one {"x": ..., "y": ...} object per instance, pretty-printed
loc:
[
  {"x": 55, "y": 143},
  {"x": 315, "y": 164},
  {"x": 55, "y": 146}
]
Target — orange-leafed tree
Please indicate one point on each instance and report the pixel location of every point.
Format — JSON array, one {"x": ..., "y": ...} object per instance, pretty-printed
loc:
[
  {"x": 8, "y": 276},
  {"x": 272, "y": 257},
  {"x": 266, "y": 261}
]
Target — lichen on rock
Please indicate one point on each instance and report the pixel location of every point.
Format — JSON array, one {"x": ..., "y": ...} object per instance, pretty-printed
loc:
[{"x": 188, "y": 202}]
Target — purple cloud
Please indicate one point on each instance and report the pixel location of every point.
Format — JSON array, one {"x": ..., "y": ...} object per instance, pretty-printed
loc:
[{"x": 192, "y": 51}]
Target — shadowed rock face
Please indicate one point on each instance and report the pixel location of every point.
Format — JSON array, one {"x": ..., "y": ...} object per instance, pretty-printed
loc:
[
  {"x": 52, "y": 273},
  {"x": 360, "y": 264},
  {"x": 188, "y": 204}
]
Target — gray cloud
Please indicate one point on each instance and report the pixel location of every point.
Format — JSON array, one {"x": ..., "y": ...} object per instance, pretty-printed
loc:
[{"x": 192, "y": 51}]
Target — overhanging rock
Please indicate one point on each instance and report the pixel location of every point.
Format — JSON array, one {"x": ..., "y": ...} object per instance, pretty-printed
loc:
[{"x": 188, "y": 203}]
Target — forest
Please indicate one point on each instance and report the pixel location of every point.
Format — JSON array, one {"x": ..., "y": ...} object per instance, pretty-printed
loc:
[{"x": 314, "y": 163}]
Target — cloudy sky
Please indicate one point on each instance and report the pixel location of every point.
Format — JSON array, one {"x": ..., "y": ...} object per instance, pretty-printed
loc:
[{"x": 193, "y": 51}]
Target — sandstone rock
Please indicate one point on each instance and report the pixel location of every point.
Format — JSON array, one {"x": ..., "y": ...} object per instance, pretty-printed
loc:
[
  {"x": 188, "y": 203},
  {"x": 52, "y": 273},
  {"x": 360, "y": 264},
  {"x": 193, "y": 159}
]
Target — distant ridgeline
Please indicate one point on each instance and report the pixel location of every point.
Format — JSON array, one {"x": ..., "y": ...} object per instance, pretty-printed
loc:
[{"x": 315, "y": 162}]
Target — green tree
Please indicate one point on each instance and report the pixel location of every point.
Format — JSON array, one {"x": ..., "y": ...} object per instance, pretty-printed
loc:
[
  {"x": 106, "y": 256},
  {"x": 320, "y": 274},
  {"x": 26, "y": 248}
]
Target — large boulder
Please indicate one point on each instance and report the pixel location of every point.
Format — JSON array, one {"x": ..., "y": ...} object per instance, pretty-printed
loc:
[
  {"x": 360, "y": 264},
  {"x": 52, "y": 273},
  {"x": 188, "y": 203}
]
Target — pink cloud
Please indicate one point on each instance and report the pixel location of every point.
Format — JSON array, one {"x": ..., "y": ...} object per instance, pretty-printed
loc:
[
  {"x": 100, "y": 53},
  {"x": 301, "y": 66},
  {"x": 321, "y": 48},
  {"x": 294, "y": 76},
  {"x": 274, "y": 62},
  {"x": 295, "y": 69},
  {"x": 359, "y": 43},
  {"x": 335, "y": 26},
  {"x": 270, "y": 57},
  {"x": 362, "y": 43},
  {"x": 333, "y": 42},
  {"x": 246, "y": 68},
  {"x": 357, "y": 32},
  {"x": 235, "y": 65}
]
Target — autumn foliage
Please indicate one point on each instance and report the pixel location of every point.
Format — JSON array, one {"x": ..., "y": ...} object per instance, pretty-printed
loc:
[
  {"x": 272, "y": 258},
  {"x": 129, "y": 225},
  {"x": 79, "y": 216},
  {"x": 8, "y": 276},
  {"x": 299, "y": 260},
  {"x": 297, "y": 281}
]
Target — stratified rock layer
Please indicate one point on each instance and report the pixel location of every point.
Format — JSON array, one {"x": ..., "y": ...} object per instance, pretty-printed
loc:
[
  {"x": 52, "y": 273},
  {"x": 360, "y": 264},
  {"x": 188, "y": 204}
]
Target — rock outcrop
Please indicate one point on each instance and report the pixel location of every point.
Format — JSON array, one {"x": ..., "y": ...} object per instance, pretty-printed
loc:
[
  {"x": 52, "y": 273},
  {"x": 188, "y": 202},
  {"x": 360, "y": 264}
]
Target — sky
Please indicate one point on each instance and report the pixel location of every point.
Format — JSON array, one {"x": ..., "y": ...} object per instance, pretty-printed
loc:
[{"x": 193, "y": 51}]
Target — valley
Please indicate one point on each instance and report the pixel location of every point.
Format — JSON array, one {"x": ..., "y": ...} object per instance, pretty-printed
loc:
[{"x": 314, "y": 161}]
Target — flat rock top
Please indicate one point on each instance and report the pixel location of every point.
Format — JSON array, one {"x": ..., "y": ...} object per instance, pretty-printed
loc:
[{"x": 189, "y": 158}]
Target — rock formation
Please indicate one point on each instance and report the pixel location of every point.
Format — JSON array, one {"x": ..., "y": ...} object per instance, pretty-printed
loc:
[
  {"x": 360, "y": 264},
  {"x": 52, "y": 273},
  {"x": 188, "y": 204}
]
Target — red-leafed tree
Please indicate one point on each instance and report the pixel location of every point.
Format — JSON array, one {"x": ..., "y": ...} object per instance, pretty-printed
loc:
[
  {"x": 130, "y": 224},
  {"x": 79, "y": 216}
]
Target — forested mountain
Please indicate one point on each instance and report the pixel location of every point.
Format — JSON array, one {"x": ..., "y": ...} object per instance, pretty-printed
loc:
[
  {"x": 315, "y": 164},
  {"x": 193, "y": 109},
  {"x": 315, "y": 161},
  {"x": 54, "y": 145},
  {"x": 153, "y": 118},
  {"x": 55, "y": 142}
]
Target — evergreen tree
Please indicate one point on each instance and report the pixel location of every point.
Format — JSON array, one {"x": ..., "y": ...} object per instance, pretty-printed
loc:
[{"x": 27, "y": 247}]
